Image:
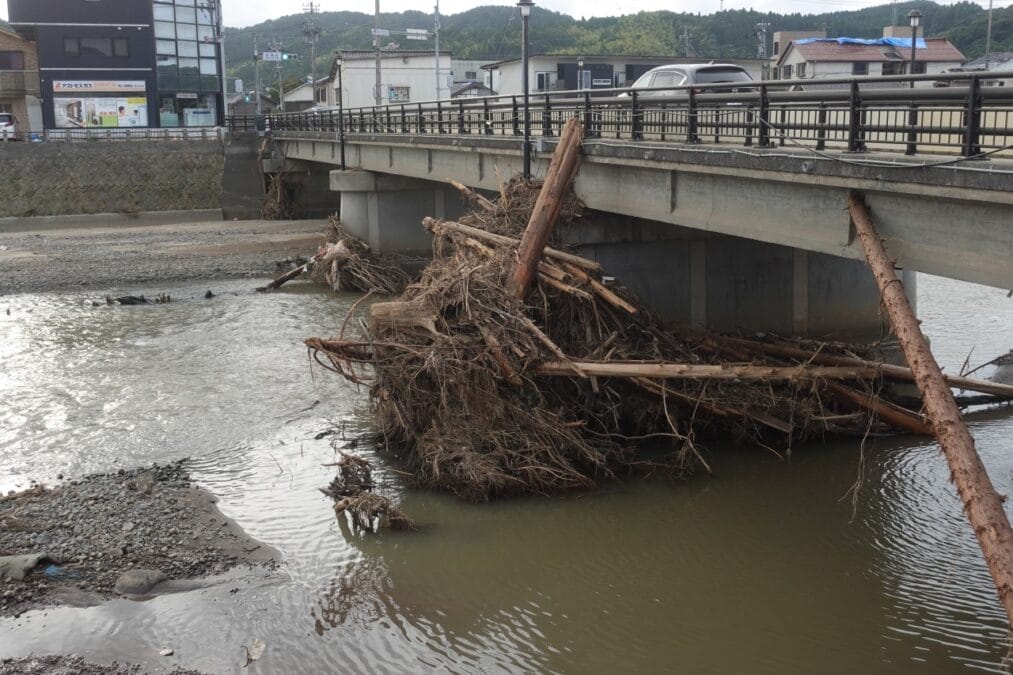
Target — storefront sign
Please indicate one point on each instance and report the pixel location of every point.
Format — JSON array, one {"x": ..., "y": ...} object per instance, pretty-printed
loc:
[
  {"x": 78, "y": 112},
  {"x": 189, "y": 95},
  {"x": 97, "y": 86}
]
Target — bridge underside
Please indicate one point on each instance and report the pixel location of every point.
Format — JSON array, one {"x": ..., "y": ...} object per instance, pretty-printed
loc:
[{"x": 952, "y": 220}]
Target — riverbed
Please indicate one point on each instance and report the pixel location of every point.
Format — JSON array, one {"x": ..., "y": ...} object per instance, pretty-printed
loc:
[{"x": 767, "y": 567}]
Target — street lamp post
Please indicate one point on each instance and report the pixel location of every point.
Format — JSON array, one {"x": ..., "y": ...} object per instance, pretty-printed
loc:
[
  {"x": 580, "y": 70},
  {"x": 525, "y": 7},
  {"x": 915, "y": 18}
]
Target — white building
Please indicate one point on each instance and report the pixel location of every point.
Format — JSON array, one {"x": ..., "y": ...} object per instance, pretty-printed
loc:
[
  {"x": 406, "y": 76},
  {"x": 299, "y": 98},
  {"x": 561, "y": 72},
  {"x": 817, "y": 58}
]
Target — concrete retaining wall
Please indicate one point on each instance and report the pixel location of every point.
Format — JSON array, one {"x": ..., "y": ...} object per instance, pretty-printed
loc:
[{"x": 48, "y": 179}]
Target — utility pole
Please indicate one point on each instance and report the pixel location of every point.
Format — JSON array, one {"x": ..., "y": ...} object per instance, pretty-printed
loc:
[
  {"x": 436, "y": 31},
  {"x": 311, "y": 31},
  {"x": 376, "y": 50},
  {"x": 760, "y": 30},
  {"x": 685, "y": 43},
  {"x": 256, "y": 72},
  {"x": 988, "y": 35},
  {"x": 276, "y": 46}
]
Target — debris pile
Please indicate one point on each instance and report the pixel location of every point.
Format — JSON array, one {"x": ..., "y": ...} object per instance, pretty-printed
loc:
[
  {"x": 352, "y": 491},
  {"x": 345, "y": 263},
  {"x": 486, "y": 383}
]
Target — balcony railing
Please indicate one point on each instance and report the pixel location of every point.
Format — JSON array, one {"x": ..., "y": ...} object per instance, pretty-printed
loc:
[
  {"x": 19, "y": 83},
  {"x": 958, "y": 115}
]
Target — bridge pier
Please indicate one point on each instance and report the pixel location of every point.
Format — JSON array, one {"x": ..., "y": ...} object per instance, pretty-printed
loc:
[
  {"x": 727, "y": 283},
  {"x": 386, "y": 211}
]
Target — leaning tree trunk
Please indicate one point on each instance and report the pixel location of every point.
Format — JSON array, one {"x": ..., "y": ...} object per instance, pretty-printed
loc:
[{"x": 983, "y": 506}]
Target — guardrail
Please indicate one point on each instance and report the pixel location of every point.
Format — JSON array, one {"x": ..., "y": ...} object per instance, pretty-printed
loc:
[{"x": 950, "y": 113}]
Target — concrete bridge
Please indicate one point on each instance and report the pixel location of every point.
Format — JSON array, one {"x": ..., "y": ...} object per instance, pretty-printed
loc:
[{"x": 737, "y": 229}]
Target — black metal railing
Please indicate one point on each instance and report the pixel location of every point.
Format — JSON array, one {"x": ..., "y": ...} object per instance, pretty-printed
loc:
[{"x": 953, "y": 113}]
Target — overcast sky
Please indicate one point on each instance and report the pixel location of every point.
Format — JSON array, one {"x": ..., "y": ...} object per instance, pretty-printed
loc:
[{"x": 247, "y": 12}]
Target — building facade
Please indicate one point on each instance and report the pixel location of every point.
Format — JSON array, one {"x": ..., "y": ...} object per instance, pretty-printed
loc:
[
  {"x": 125, "y": 63},
  {"x": 821, "y": 58},
  {"x": 19, "y": 81},
  {"x": 406, "y": 76}
]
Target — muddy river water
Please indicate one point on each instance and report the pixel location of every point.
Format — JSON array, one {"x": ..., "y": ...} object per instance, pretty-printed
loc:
[{"x": 769, "y": 567}]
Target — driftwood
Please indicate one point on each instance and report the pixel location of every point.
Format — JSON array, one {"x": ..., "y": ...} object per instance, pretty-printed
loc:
[
  {"x": 397, "y": 315},
  {"x": 562, "y": 169},
  {"x": 439, "y": 226},
  {"x": 982, "y": 504},
  {"x": 894, "y": 414},
  {"x": 686, "y": 371},
  {"x": 888, "y": 370}
]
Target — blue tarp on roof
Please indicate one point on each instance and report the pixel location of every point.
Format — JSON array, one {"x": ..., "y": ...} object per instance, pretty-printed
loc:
[{"x": 877, "y": 42}]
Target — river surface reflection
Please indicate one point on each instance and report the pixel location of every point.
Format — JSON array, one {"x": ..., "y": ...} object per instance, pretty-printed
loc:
[{"x": 766, "y": 568}]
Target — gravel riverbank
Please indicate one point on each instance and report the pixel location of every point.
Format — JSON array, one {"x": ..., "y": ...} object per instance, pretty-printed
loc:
[
  {"x": 71, "y": 665},
  {"x": 130, "y": 533},
  {"x": 103, "y": 256}
]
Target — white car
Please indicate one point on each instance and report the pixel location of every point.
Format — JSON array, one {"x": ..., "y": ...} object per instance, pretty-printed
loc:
[
  {"x": 8, "y": 126},
  {"x": 685, "y": 74}
]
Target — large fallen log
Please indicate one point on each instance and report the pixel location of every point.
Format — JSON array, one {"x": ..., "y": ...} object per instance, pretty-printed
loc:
[
  {"x": 562, "y": 169},
  {"x": 982, "y": 504},
  {"x": 888, "y": 370},
  {"x": 692, "y": 371}
]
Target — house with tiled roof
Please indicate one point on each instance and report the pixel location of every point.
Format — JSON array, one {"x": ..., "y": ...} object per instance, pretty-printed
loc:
[{"x": 820, "y": 58}]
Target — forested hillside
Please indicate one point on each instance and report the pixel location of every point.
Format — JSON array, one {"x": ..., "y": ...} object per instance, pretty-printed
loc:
[{"x": 493, "y": 32}]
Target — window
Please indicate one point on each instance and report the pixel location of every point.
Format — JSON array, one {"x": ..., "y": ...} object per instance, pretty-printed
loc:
[
  {"x": 544, "y": 81},
  {"x": 919, "y": 68},
  {"x": 777, "y": 48},
  {"x": 12, "y": 61},
  {"x": 165, "y": 29},
  {"x": 186, "y": 48},
  {"x": 860, "y": 68},
  {"x": 894, "y": 68},
  {"x": 185, "y": 31},
  {"x": 186, "y": 45},
  {"x": 668, "y": 78},
  {"x": 95, "y": 47},
  {"x": 786, "y": 72},
  {"x": 470, "y": 75},
  {"x": 800, "y": 70}
]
